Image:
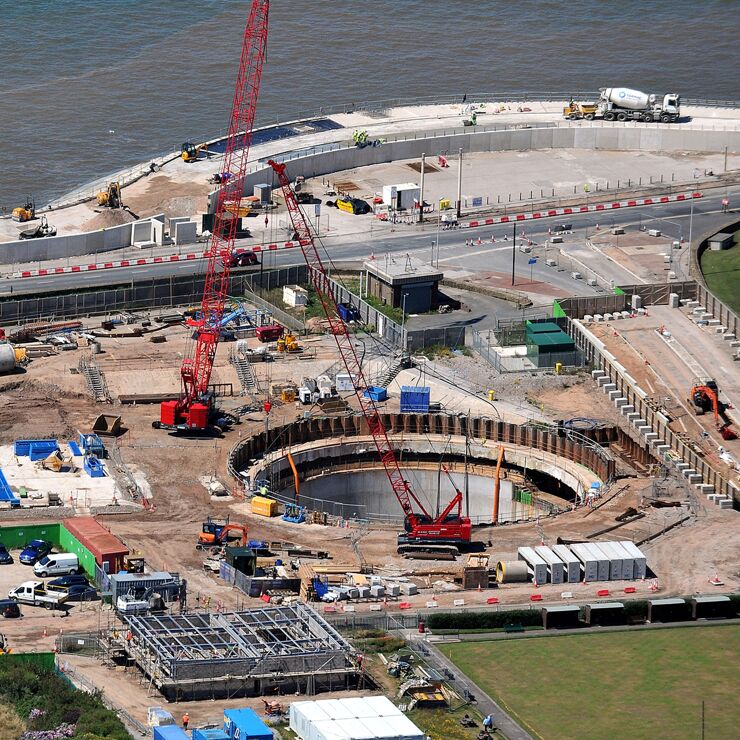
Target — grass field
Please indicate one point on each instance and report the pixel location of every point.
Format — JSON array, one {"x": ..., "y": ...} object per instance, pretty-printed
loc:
[
  {"x": 722, "y": 273},
  {"x": 646, "y": 684}
]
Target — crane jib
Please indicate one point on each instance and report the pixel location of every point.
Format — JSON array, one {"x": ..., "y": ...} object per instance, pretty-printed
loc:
[
  {"x": 450, "y": 526},
  {"x": 193, "y": 409}
]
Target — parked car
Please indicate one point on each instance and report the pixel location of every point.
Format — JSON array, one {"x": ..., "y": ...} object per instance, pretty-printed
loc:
[
  {"x": 34, "y": 551},
  {"x": 57, "y": 564},
  {"x": 81, "y": 592},
  {"x": 5, "y": 557},
  {"x": 64, "y": 581},
  {"x": 9, "y": 609}
]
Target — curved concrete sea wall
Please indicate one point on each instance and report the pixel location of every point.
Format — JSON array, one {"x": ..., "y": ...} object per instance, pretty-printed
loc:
[{"x": 645, "y": 137}]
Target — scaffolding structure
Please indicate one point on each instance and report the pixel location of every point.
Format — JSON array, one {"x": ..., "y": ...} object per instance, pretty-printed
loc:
[{"x": 280, "y": 649}]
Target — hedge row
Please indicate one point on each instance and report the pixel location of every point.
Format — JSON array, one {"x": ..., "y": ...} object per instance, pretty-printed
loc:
[
  {"x": 635, "y": 610},
  {"x": 477, "y": 620}
]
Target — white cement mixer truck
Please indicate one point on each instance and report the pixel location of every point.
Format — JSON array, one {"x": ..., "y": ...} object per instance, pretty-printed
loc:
[{"x": 623, "y": 104}]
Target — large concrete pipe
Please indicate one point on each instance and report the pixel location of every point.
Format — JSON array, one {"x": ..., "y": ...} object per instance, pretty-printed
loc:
[{"x": 514, "y": 571}]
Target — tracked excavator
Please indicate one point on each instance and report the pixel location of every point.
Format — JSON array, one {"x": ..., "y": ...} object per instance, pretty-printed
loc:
[{"x": 704, "y": 397}]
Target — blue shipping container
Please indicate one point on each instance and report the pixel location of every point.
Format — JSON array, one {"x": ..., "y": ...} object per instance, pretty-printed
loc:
[
  {"x": 415, "y": 399},
  {"x": 376, "y": 393},
  {"x": 214, "y": 733},
  {"x": 244, "y": 724},
  {"x": 170, "y": 732}
]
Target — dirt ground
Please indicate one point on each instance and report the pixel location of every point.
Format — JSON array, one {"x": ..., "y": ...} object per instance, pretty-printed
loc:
[{"x": 49, "y": 400}]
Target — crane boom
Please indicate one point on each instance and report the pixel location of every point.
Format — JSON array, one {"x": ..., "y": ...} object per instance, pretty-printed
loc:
[
  {"x": 192, "y": 410},
  {"x": 420, "y": 525}
]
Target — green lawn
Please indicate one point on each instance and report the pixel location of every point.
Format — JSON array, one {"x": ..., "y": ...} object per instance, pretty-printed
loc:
[
  {"x": 646, "y": 684},
  {"x": 722, "y": 273}
]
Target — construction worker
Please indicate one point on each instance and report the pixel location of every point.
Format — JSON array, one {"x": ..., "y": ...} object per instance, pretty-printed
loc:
[{"x": 185, "y": 721}]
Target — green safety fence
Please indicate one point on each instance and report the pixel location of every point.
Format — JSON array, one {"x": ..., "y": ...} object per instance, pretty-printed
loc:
[
  {"x": 557, "y": 311},
  {"x": 45, "y": 661},
  {"x": 16, "y": 538},
  {"x": 523, "y": 497}
]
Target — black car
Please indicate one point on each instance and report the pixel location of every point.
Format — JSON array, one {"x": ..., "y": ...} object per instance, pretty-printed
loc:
[
  {"x": 65, "y": 581},
  {"x": 81, "y": 592},
  {"x": 5, "y": 557},
  {"x": 9, "y": 609}
]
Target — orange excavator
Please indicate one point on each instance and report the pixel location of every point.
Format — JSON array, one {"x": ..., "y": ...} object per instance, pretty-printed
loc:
[
  {"x": 704, "y": 396},
  {"x": 222, "y": 536}
]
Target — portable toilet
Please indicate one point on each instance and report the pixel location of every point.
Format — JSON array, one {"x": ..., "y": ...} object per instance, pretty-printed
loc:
[{"x": 244, "y": 724}]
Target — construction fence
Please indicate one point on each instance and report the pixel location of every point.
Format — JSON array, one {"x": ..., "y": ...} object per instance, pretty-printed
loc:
[
  {"x": 136, "y": 295},
  {"x": 652, "y": 294}
]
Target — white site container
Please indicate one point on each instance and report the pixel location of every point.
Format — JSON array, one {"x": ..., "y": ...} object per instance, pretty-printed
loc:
[
  {"x": 343, "y": 383},
  {"x": 361, "y": 718},
  {"x": 588, "y": 560},
  {"x": 572, "y": 563},
  {"x": 537, "y": 566},
  {"x": 555, "y": 566},
  {"x": 628, "y": 561},
  {"x": 616, "y": 560},
  {"x": 640, "y": 566},
  {"x": 603, "y": 562}
]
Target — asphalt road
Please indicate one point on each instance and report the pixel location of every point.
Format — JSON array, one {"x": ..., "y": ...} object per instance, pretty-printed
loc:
[{"x": 673, "y": 219}]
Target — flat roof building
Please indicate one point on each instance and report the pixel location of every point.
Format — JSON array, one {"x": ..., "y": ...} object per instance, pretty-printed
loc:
[{"x": 404, "y": 282}]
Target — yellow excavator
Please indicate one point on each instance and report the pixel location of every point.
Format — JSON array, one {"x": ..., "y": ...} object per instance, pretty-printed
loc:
[
  {"x": 25, "y": 212},
  {"x": 111, "y": 198},
  {"x": 190, "y": 152}
]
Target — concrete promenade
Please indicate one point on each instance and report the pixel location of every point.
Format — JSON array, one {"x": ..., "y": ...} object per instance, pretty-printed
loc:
[{"x": 541, "y": 126}]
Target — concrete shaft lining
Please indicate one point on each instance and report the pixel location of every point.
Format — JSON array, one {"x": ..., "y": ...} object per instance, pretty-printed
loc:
[{"x": 377, "y": 499}]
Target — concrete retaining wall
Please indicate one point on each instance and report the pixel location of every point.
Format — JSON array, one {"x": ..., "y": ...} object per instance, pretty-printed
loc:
[
  {"x": 75, "y": 245},
  {"x": 601, "y": 135}
]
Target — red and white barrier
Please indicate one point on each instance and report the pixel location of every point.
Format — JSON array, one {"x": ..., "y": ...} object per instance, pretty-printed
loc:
[
  {"x": 49, "y": 271},
  {"x": 591, "y": 208}
]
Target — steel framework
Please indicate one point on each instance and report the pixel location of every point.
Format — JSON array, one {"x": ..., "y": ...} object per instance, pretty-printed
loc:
[{"x": 285, "y": 640}]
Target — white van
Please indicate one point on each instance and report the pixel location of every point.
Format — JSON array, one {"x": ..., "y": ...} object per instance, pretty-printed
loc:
[{"x": 57, "y": 564}]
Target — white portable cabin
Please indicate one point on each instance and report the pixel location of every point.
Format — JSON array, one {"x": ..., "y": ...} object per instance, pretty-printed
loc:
[
  {"x": 602, "y": 560},
  {"x": 572, "y": 563},
  {"x": 616, "y": 560},
  {"x": 555, "y": 566},
  {"x": 640, "y": 566},
  {"x": 537, "y": 566},
  {"x": 588, "y": 560},
  {"x": 362, "y": 718},
  {"x": 628, "y": 561}
]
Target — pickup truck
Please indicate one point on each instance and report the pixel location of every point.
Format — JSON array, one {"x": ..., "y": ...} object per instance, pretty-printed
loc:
[{"x": 35, "y": 594}]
